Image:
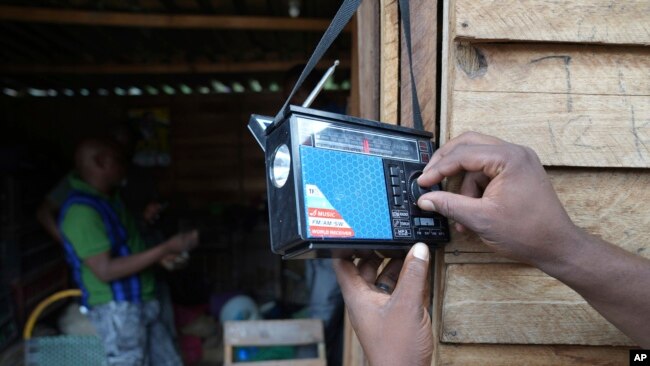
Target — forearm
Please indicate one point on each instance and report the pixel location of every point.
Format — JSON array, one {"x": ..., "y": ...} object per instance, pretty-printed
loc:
[
  {"x": 116, "y": 268},
  {"x": 615, "y": 282}
]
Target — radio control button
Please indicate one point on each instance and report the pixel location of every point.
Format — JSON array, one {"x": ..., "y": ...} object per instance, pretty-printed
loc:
[
  {"x": 394, "y": 171},
  {"x": 423, "y": 146},
  {"x": 404, "y": 233},
  {"x": 398, "y": 200},
  {"x": 395, "y": 181},
  {"x": 397, "y": 191},
  {"x": 425, "y": 158}
]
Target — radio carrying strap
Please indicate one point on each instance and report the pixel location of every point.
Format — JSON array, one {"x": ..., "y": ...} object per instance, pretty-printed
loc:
[{"x": 341, "y": 19}]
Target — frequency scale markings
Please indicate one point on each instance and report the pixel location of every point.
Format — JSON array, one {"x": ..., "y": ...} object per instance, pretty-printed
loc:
[{"x": 351, "y": 140}]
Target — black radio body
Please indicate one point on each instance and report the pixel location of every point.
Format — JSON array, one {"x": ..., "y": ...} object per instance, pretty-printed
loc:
[{"x": 340, "y": 186}]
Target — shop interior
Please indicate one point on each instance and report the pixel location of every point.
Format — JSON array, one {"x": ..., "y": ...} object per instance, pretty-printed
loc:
[{"x": 175, "y": 82}]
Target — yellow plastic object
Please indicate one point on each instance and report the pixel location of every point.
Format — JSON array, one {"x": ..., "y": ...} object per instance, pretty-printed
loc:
[{"x": 33, "y": 317}]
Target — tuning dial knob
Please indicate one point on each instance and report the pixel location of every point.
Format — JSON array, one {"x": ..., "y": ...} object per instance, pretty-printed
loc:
[{"x": 415, "y": 191}]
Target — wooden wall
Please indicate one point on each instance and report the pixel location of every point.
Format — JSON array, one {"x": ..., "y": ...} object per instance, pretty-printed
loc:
[{"x": 571, "y": 80}]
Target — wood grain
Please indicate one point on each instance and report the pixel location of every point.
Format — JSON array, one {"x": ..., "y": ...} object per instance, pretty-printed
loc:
[
  {"x": 530, "y": 355},
  {"x": 588, "y": 21},
  {"x": 163, "y": 68},
  {"x": 457, "y": 256},
  {"x": 389, "y": 61},
  {"x": 555, "y": 68},
  {"x": 446, "y": 71},
  {"x": 437, "y": 276},
  {"x": 124, "y": 19},
  {"x": 424, "y": 36},
  {"x": 576, "y": 92},
  {"x": 611, "y": 204},
  {"x": 564, "y": 129},
  {"x": 369, "y": 56},
  {"x": 513, "y": 303},
  {"x": 273, "y": 332},
  {"x": 365, "y": 76},
  {"x": 575, "y": 105},
  {"x": 353, "y": 353}
]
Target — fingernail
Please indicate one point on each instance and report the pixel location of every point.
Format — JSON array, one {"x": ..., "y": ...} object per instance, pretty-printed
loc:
[
  {"x": 427, "y": 205},
  {"x": 421, "y": 251}
]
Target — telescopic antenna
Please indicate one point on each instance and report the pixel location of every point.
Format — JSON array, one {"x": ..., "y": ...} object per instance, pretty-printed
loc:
[{"x": 314, "y": 93}]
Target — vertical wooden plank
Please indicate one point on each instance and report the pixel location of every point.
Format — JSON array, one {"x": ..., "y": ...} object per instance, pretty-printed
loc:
[
  {"x": 438, "y": 273},
  {"x": 445, "y": 114},
  {"x": 366, "y": 55},
  {"x": 365, "y": 64},
  {"x": 227, "y": 354},
  {"x": 446, "y": 74},
  {"x": 355, "y": 90},
  {"x": 389, "y": 63},
  {"x": 353, "y": 353},
  {"x": 321, "y": 351},
  {"x": 424, "y": 35}
]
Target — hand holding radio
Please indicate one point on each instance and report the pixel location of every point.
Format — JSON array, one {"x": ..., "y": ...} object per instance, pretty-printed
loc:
[
  {"x": 389, "y": 312},
  {"x": 505, "y": 197}
]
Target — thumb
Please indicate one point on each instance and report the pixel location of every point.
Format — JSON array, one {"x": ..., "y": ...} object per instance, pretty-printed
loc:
[
  {"x": 456, "y": 207},
  {"x": 414, "y": 277}
]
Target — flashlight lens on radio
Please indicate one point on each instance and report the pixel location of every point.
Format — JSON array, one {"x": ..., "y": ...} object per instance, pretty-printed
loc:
[{"x": 281, "y": 166}]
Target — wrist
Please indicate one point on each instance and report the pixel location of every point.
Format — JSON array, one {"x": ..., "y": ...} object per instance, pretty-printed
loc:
[
  {"x": 165, "y": 248},
  {"x": 568, "y": 255}
]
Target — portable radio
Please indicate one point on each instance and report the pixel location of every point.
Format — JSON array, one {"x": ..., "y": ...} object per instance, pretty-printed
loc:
[{"x": 341, "y": 186}]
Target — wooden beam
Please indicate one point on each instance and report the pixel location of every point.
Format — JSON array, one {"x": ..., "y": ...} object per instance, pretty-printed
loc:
[
  {"x": 184, "y": 68},
  {"x": 593, "y": 21},
  {"x": 365, "y": 63},
  {"x": 365, "y": 95},
  {"x": 515, "y": 355},
  {"x": 513, "y": 304},
  {"x": 598, "y": 131},
  {"x": 424, "y": 34},
  {"x": 552, "y": 68},
  {"x": 123, "y": 19},
  {"x": 389, "y": 61},
  {"x": 614, "y": 208},
  {"x": 576, "y": 105}
]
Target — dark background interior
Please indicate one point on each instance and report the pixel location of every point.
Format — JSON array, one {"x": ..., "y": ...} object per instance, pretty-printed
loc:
[{"x": 61, "y": 82}]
